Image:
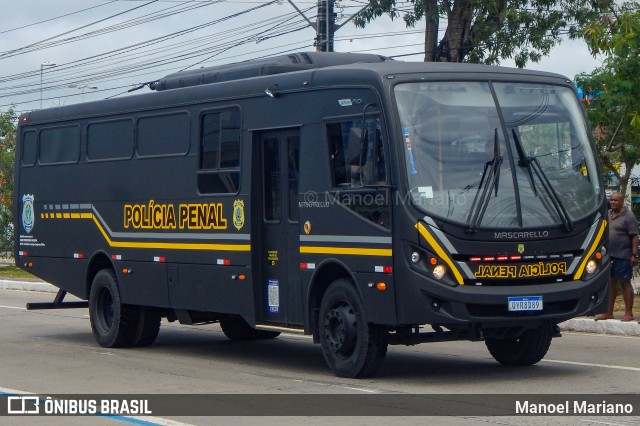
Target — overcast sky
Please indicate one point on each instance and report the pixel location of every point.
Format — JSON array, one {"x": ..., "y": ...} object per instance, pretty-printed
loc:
[{"x": 103, "y": 48}]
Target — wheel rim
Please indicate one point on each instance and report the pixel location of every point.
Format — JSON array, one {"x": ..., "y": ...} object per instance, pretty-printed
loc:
[
  {"x": 105, "y": 310},
  {"x": 341, "y": 330}
]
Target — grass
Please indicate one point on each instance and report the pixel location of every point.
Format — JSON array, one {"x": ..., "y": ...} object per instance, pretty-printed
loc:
[
  {"x": 11, "y": 272},
  {"x": 618, "y": 307}
]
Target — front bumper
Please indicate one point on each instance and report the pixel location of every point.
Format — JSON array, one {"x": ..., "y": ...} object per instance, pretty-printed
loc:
[{"x": 454, "y": 306}]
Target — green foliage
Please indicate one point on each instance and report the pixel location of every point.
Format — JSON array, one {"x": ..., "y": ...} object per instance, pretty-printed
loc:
[
  {"x": 7, "y": 153},
  {"x": 12, "y": 272},
  {"x": 486, "y": 31},
  {"x": 614, "y": 114}
]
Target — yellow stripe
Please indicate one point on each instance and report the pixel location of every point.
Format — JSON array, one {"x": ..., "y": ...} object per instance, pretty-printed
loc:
[
  {"x": 591, "y": 250},
  {"x": 346, "y": 250},
  {"x": 154, "y": 245},
  {"x": 440, "y": 251},
  {"x": 171, "y": 246}
]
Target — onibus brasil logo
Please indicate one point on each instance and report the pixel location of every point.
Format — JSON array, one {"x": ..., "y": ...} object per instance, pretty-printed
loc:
[{"x": 28, "y": 215}]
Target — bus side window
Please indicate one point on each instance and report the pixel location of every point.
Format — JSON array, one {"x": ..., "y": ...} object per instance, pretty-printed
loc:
[
  {"x": 337, "y": 155},
  {"x": 356, "y": 154},
  {"x": 219, "y": 167},
  {"x": 374, "y": 170}
]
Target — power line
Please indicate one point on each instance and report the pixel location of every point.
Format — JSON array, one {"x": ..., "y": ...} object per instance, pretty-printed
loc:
[
  {"x": 75, "y": 64},
  {"x": 166, "y": 52},
  {"x": 55, "y": 18}
]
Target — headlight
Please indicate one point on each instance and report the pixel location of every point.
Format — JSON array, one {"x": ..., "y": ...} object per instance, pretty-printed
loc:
[
  {"x": 439, "y": 271},
  {"x": 591, "y": 266}
]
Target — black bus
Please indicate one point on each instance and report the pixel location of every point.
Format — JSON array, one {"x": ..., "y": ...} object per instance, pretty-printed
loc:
[{"x": 354, "y": 198}]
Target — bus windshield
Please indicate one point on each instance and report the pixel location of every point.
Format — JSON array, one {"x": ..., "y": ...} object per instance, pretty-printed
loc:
[{"x": 497, "y": 155}]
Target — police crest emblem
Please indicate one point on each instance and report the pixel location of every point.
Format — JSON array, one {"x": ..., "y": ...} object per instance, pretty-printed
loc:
[
  {"x": 28, "y": 215},
  {"x": 238, "y": 214}
]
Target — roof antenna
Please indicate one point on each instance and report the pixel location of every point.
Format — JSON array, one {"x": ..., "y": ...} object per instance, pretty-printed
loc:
[{"x": 152, "y": 85}]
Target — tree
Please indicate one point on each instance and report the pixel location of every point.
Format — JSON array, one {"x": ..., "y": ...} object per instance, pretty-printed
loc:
[
  {"x": 486, "y": 31},
  {"x": 7, "y": 153},
  {"x": 615, "y": 112}
]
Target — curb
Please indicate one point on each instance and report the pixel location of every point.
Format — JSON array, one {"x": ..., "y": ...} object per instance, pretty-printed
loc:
[
  {"x": 612, "y": 326},
  {"x": 582, "y": 324},
  {"x": 28, "y": 286}
]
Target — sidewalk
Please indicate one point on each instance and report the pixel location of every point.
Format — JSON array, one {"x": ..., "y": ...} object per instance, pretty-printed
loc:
[{"x": 582, "y": 324}]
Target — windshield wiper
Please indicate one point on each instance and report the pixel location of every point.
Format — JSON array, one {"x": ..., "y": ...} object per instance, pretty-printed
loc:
[
  {"x": 533, "y": 166},
  {"x": 481, "y": 200}
]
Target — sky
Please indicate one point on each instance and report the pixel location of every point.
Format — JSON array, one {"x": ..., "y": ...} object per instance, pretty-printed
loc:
[{"x": 104, "y": 48}]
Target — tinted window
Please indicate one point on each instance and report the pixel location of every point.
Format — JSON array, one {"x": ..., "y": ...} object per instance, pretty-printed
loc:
[
  {"x": 163, "y": 135},
  {"x": 220, "y": 152},
  {"x": 29, "y": 148},
  {"x": 271, "y": 189},
  {"x": 110, "y": 140},
  {"x": 60, "y": 145},
  {"x": 293, "y": 163},
  {"x": 220, "y": 145},
  {"x": 356, "y": 154}
]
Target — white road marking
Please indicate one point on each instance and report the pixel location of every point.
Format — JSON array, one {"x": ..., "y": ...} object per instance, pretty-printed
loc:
[{"x": 588, "y": 364}]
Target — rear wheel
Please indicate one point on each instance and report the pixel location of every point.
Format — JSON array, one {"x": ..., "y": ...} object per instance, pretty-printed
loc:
[
  {"x": 350, "y": 346},
  {"x": 113, "y": 324},
  {"x": 148, "y": 326},
  {"x": 527, "y": 349},
  {"x": 238, "y": 329}
]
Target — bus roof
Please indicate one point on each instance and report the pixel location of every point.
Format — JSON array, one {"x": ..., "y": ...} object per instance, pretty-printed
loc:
[{"x": 289, "y": 72}]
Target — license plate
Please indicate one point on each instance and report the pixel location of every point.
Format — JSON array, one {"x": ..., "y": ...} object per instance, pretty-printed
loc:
[{"x": 525, "y": 303}]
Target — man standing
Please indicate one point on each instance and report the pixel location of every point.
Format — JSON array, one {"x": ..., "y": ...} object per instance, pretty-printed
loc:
[{"x": 623, "y": 248}]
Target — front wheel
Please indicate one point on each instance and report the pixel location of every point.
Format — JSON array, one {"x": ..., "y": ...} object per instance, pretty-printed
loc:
[
  {"x": 527, "y": 349},
  {"x": 350, "y": 346}
]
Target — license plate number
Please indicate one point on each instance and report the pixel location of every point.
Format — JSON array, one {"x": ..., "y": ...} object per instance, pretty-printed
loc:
[{"x": 525, "y": 303}]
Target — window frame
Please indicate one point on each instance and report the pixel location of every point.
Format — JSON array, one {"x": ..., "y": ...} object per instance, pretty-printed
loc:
[
  {"x": 227, "y": 172},
  {"x": 99, "y": 122},
  {"x": 164, "y": 114},
  {"x": 78, "y": 143},
  {"x": 384, "y": 141}
]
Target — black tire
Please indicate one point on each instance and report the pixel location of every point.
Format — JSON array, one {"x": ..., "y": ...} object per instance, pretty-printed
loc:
[
  {"x": 113, "y": 323},
  {"x": 237, "y": 329},
  {"x": 528, "y": 349},
  {"x": 350, "y": 345},
  {"x": 148, "y": 326}
]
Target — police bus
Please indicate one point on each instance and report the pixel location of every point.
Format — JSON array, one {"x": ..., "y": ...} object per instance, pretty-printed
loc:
[{"x": 357, "y": 199}]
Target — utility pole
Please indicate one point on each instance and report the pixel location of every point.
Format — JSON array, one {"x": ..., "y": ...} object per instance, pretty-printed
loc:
[{"x": 326, "y": 24}]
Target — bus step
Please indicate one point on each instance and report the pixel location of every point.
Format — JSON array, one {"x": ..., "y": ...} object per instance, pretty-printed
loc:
[{"x": 58, "y": 303}]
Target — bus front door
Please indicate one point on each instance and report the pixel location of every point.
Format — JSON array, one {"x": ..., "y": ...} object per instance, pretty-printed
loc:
[{"x": 276, "y": 167}]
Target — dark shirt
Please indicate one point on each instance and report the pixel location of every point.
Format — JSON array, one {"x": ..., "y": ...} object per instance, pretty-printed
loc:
[{"x": 621, "y": 228}]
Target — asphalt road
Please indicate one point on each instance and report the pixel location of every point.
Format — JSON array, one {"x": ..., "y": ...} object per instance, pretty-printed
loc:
[{"x": 53, "y": 352}]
